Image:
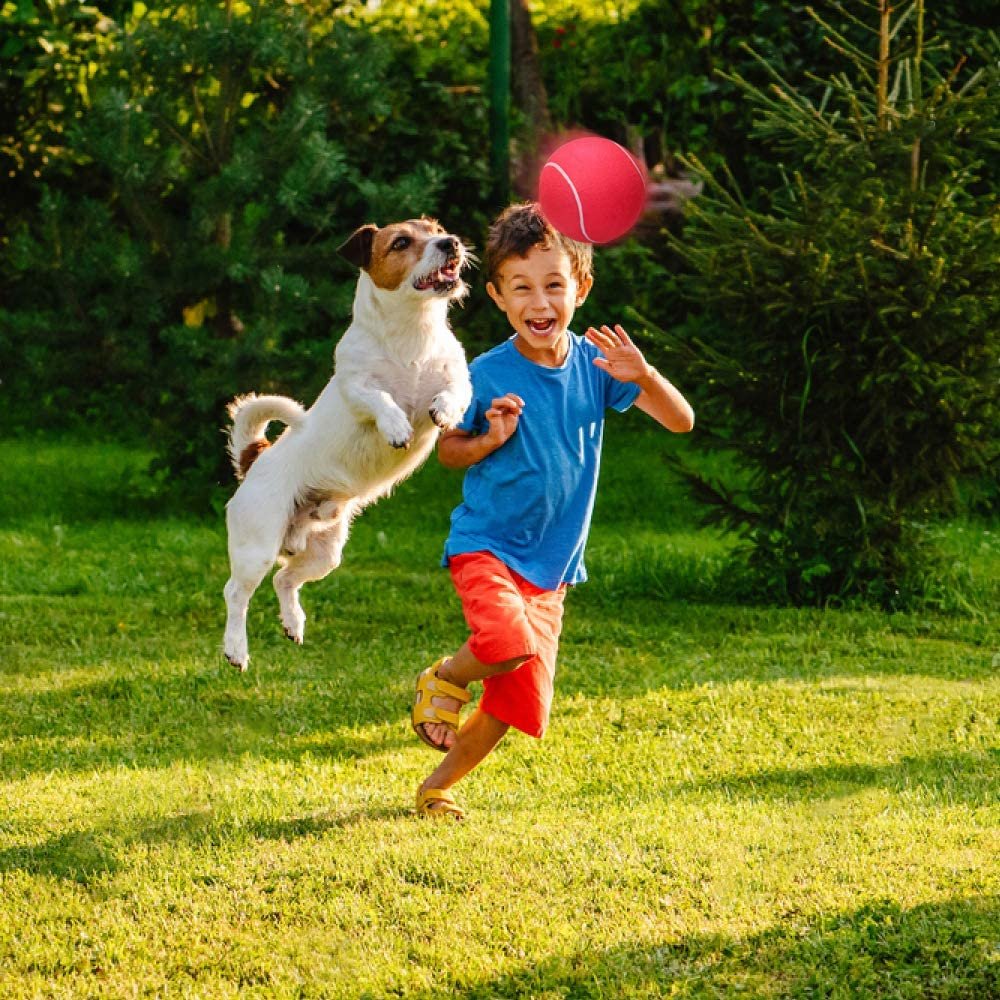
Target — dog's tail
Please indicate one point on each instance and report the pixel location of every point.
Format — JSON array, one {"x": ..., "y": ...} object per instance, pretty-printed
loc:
[{"x": 250, "y": 415}]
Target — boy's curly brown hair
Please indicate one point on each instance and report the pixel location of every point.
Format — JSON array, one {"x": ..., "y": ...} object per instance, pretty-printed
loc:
[{"x": 521, "y": 227}]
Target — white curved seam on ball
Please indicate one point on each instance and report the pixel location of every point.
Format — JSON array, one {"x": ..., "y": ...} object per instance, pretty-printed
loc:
[
  {"x": 576, "y": 196},
  {"x": 635, "y": 166}
]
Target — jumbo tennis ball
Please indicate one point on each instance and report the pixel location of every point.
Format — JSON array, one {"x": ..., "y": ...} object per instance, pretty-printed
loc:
[{"x": 592, "y": 190}]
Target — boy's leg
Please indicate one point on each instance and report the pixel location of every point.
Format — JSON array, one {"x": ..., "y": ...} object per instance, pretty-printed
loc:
[
  {"x": 462, "y": 669},
  {"x": 476, "y": 739}
]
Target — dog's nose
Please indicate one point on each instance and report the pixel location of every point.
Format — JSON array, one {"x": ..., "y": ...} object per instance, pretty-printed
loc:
[{"x": 448, "y": 245}]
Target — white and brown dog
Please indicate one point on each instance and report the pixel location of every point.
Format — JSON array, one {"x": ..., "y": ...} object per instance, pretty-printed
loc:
[{"x": 400, "y": 375}]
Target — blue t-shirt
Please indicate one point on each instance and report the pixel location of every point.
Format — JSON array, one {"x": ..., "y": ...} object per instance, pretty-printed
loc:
[{"x": 531, "y": 500}]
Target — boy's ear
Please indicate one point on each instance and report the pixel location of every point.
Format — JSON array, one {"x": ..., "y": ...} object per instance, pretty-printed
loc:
[
  {"x": 583, "y": 290},
  {"x": 358, "y": 246},
  {"x": 495, "y": 295}
]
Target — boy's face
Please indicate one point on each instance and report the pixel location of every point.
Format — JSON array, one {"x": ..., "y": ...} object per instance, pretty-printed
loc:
[{"x": 539, "y": 295}]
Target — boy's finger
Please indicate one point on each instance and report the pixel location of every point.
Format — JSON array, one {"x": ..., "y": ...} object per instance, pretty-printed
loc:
[
  {"x": 504, "y": 409},
  {"x": 510, "y": 401},
  {"x": 600, "y": 340},
  {"x": 626, "y": 339}
]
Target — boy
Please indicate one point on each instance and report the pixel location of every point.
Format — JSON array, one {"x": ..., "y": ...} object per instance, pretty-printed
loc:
[{"x": 531, "y": 443}]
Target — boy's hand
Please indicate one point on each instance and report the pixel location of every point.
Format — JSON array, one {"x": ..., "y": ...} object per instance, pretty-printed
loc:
[
  {"x": 622, "y": 359},
  {"x": 460, "y": 449},
  {"x": 503, "y": 415}
]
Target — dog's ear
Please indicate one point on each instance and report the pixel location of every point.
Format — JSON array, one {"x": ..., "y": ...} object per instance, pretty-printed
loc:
[{"x": 358, "y": 248}]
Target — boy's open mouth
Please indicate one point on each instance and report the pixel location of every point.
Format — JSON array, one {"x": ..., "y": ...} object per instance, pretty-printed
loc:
[{"x": 541, "y": 327}]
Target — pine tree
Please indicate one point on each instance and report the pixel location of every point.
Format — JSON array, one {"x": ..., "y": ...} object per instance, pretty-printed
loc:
[{"x": 845, "y": 326}]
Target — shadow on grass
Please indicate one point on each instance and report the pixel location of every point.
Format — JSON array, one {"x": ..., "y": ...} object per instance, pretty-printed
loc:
[
  {"x": 935, "y": 950},
  {"x": 201, "y": 716},
  {"x": 970, "y": 779},
  {"x": 647, "y": 645},
  {"x": 87, "y": 856}
]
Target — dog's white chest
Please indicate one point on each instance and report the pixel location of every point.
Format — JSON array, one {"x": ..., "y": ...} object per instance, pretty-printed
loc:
[{"x": 412, "y": 385}]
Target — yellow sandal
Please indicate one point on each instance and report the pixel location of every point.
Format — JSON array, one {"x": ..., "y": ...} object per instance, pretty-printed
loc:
[
  {"x": 439, "y": 803},
  {"x": 430, "y": 685}
]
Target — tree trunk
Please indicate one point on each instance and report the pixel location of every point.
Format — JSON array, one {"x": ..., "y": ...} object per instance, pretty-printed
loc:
[
  {"x": 530, "y": 97},
  {"x": 526, "y": 70}
]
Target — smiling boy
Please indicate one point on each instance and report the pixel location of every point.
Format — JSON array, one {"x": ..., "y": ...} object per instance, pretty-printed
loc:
[{"x": 530, "y": 443}]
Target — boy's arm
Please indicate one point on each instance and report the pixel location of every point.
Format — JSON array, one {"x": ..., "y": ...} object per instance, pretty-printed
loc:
[
  {"x": 623, "y": 361},
  {"x": 460, "y": 449},
  {"x": 664, "y": 403}
]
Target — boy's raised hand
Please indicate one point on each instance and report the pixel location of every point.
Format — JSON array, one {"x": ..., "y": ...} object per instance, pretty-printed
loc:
[
  {"x": 622, "y": 359},
  {"x": 503, "y": 414}
]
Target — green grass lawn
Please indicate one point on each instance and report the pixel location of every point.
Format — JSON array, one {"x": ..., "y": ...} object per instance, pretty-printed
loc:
[{"x": 731, "y": 800}]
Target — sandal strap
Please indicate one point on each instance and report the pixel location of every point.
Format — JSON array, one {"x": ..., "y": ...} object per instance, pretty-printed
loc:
[
  {"x": 441, "y": 688},
  {"x": 434, "y": 713},
  {"x": 424, "y": 711},
  {"x": 442, "y": 796}
]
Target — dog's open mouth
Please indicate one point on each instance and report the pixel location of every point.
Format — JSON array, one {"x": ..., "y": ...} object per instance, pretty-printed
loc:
[{"x": 444, "y": 279}]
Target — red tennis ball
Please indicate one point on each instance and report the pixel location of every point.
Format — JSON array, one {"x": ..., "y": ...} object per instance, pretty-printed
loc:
[{"x": 592, "y": 190}]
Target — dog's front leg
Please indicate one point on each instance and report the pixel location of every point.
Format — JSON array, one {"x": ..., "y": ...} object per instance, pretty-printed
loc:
[
  {"x": 449, "y": 405},
  {"x": 370, "y": 401}
]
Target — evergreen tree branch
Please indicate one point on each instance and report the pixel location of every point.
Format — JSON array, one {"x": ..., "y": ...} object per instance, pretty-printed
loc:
[
  {"x": 881, "y": 92},
  {"x": 837, "y": 41},
  {"x": 849, "y": 15}
]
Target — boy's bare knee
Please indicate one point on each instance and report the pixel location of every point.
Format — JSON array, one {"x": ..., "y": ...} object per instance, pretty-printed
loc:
[{"x": 506, "y": 666}]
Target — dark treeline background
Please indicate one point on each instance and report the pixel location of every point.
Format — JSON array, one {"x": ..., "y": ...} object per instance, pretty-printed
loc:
[{"x": 177, "y": 178}]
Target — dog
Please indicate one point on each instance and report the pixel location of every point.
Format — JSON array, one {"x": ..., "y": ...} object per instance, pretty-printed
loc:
[{"x": 400, "y": 376}]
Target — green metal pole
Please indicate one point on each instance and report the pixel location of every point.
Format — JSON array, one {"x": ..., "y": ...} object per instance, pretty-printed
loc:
[{"x": 500, "y": 99}]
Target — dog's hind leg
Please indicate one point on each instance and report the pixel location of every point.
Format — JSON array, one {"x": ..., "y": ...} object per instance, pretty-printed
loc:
[
  {"x": 246, "y": 578},
  {"x": 254, "y": 541},
  {"x": 321, "y": 556},
  {"x": 256, "y": 519}
]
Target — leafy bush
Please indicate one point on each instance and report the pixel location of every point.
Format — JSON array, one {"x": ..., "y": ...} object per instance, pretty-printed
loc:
[
  {"x": 50, "y": 53},
  {"x": 844, "y": 328}
]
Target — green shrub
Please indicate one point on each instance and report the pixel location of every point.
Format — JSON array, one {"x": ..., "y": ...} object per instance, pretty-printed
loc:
[
  {"x": 50, "y": 53},
  {"x": 844, "y": 328}
]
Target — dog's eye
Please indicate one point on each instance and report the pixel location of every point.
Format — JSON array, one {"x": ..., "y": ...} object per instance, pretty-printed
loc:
[{"x": 400, "y": 243}]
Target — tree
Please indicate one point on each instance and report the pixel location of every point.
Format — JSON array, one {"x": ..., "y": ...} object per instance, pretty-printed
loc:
[{"x": 844, "y": 332}]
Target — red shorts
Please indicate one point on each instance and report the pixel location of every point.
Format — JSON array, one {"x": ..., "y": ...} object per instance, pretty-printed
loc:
[{"x": 509, "y": 617}]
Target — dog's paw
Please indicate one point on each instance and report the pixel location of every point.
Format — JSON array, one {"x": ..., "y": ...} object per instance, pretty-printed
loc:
[
  {"x": 445, "y": 411},
  {"x": 236, "y": 649},
  {"x": 396, "y": 429},
  {"x": 236, "y": 660},
  {"x": 293, "y": 623}
]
